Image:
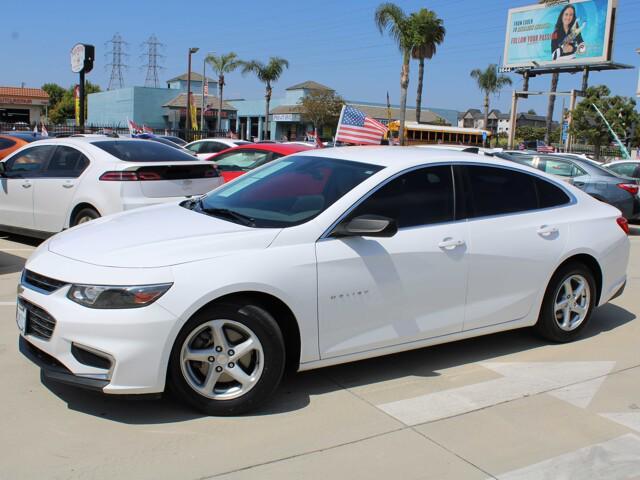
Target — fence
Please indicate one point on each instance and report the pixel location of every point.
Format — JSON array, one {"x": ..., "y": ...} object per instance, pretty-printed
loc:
[
  {"x": 606, "y": 151},
  {"x": 188, "y": 135}
]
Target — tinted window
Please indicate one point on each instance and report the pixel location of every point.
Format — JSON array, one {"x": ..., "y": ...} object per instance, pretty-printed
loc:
[
  {"x": 495, "y": 191},
  {"x": 420, "y": 197},
  {"x": 6, "y": 143},
  {"x": 143, "y": 151},
  {"x": 625, "y": 169},
  {"x": 244, "y": 159},
  {"x": 28, "y": 163},
  {"x": 195, "y": 147},
  {"x": 562, "y": 169},
  {"x": 550, "y": 195},
  {"x": 212, "y": 147},
  {"x": 66, "y": 162},
  {"x": 289, "y": 191}
]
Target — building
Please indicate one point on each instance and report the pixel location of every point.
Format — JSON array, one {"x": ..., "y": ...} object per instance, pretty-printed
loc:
[
  {"x": 499, "y": 122},
  {"x": 158, "y": 107},
  {"x": 20, "y": 105}
]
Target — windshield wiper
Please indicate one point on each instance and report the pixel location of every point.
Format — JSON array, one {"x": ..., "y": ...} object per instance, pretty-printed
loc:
[{"x": 225, "y": 212}]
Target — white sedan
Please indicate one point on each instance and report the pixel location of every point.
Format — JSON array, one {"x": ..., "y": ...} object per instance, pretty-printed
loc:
[
  {"x": 316, "y": 259},
  {"x": 203, "y": 149},
  {"x": 50, "y": 185}
]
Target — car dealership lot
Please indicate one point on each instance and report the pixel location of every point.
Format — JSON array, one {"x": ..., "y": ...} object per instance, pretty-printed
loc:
[{"x": 505, "y": 406}]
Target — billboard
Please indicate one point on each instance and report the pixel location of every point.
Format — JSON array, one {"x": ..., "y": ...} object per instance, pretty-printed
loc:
[{"x": 573, "y": 32}]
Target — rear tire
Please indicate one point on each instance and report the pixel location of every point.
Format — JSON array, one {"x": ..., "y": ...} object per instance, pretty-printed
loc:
[
  {"x": 568, "y": 303},
  {"x": 227, "y": 359},
  {"x": 84, "y": 215}
]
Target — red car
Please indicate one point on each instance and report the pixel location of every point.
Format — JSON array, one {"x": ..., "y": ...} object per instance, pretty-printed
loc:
[{"x": 235, "y": 161}]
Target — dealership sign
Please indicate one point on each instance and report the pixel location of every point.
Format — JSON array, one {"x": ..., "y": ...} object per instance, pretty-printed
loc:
[
  {"x": 573, "y": 32},
  {"x": 82, "y": 56}
]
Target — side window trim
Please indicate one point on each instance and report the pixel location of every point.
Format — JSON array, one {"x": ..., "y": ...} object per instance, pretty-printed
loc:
[{"x": 365, "y": 197}]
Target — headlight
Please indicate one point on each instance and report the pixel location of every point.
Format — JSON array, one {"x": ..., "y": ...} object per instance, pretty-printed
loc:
[{"x": 105, "y": 296}]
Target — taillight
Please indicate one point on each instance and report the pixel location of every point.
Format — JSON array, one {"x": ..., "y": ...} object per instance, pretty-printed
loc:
[
  {"x": 624, "y": 224},
  {"x": 122, "y": 176},
  {"x": 632, "y": 188},
  {"x": 149, "y": 176}
]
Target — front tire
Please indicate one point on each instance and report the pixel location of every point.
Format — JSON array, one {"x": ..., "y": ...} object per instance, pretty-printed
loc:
[
  {"x": 227, "y": 359},
  {"x": 568, "y": 303}
]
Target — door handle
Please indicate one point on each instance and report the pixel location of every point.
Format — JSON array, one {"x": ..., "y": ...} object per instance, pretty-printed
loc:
[
  {"x": 67, "y": 185},
  {"x": 450, "y": 243},
  {"x": 26, "y": 185},
  {"x": 546, "y": 230}
]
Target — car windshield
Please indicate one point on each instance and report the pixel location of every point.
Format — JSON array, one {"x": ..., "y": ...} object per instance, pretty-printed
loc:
[
  {"x": 143, "y": 151},
  {"x": 286, "y": 192}
]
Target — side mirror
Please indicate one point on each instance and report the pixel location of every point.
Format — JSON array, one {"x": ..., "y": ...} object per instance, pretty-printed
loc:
[{"x": 366, "y": 226}]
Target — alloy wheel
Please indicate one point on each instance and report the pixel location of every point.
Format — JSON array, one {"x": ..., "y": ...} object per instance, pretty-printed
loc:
[{"x": 572, "y": 302}]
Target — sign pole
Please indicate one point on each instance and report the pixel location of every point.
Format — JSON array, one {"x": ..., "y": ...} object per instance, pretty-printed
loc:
[
  {"x": 512, "y": 122},
  {"x": 81, "y": 101},
  {"x": 572, "y": 106}
]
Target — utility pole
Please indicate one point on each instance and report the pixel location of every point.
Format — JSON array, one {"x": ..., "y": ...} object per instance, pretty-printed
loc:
[{"x": 188, "y": 125}]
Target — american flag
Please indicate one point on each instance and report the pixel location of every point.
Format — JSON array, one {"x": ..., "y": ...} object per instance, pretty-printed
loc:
[
  {"x": 356, "y": 127},
  {"x": 545, "y": 149}
]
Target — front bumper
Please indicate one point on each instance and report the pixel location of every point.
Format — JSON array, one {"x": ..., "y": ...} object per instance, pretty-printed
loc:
[{"x": 137, "y": 342}]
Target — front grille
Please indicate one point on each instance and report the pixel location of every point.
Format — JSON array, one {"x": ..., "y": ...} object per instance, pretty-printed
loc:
[
  {"x": 39, "y": 282},
  {"x": 39, "y": 323}
]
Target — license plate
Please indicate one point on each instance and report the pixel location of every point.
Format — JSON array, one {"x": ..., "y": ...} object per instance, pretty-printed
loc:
[{"x": 21, "y": 316}]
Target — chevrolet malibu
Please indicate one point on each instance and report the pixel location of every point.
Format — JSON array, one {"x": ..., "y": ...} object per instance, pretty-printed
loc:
[{"x": 320, "y": 258}]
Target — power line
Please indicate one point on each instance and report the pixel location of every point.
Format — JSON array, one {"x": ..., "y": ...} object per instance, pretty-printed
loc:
[
  {"x": 117, "y": 52},
  {"x": 152, "y": 54}
]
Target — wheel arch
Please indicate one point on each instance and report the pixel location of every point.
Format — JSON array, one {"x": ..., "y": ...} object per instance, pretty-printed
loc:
[
  {"x": 76, "y": 209},
  {"x": 592, "y": 264},
  {"x": 282, "y": 314}
]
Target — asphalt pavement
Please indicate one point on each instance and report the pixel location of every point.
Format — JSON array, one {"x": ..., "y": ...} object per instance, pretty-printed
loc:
[{"x": 506, "y": 406}]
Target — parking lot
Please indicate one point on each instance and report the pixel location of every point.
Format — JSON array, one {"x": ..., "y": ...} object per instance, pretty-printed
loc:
[{"x": 506, "y": 406}]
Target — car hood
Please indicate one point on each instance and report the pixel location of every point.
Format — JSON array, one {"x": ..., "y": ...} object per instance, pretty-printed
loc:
[{"x": 157, "y": 236}]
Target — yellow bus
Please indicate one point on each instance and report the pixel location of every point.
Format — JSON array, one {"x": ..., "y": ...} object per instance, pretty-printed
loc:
[{"x": 425, "y": 134}]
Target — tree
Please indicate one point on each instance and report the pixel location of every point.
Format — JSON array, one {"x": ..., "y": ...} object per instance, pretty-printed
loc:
[
  {"x": 66, "y": 108},
  {"x": 221, "y": 64},
  {"x": 531, "y": 111},
  {"x": 267, "y": 74},
  {"x": 619, "y": 111},
  {"x": 490, "y": 83},
  {"x": 429, "y": 34},
  {"x": 321, "y": 107},
  {"x": 55, "y": 92},
  {"x": 391, "y": 17}
]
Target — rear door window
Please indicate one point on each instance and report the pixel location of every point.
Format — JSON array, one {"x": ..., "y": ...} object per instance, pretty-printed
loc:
[
  {"x": 562, "y": 168},
  {"x": 143, "y": 151},
  {"x": 66, "y": 162}
]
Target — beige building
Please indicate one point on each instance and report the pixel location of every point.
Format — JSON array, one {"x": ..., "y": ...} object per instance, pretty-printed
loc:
[{"x": 20, "y": 106}]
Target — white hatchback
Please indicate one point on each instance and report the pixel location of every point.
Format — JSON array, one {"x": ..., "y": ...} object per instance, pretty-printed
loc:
[
  {"x": 50, "y": 185},
  {"x": 315, "y": 259}
]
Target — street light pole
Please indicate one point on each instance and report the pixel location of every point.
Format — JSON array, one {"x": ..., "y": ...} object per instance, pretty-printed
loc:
[
  {"x": 204, "y": 80},
  {"x": 192, "y": 50}
]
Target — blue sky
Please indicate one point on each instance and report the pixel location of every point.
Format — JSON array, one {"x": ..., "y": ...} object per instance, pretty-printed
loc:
[{"x": 333, "y": 42}]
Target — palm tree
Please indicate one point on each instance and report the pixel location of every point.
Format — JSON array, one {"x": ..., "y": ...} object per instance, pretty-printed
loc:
[
  {"x": 267, "y": 74},
  {"x": 221, "y": 64},
  {"x": 391, "y": 17},
  {"x": 430, "y": 33},
  {"x": 490, "y": 83}
]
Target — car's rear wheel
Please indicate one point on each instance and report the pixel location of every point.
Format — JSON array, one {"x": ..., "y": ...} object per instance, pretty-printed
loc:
[
  {"x": 84, "y": 215},
  {"x": 227, "y": 359},
  {"x": 568, "y": 303}
]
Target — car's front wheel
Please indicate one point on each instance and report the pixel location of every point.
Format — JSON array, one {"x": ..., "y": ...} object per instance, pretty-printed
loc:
[
  {"x": 227, "y": 359},
  {"x": 568, "y": 303}
]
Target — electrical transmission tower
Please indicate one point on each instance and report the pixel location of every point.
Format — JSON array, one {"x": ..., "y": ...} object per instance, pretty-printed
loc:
[
  {"x": 152, "y": 54},
  {"x": 118, "y": 55}
]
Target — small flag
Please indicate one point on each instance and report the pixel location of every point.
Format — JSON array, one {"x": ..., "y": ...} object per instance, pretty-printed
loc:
[
  {"x": 44, "y": 131},
  {"x": 206, "y": 88},
  {"x": 146, "y": 129},
  {"x": 35, "y": 128},
  {"x": 133, "y": 127},
  {"x": 356, "y": 127},
  {"x": 318, "y": 140}
]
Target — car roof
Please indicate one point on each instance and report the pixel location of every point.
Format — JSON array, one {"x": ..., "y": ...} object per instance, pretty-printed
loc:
[
  {"x": 405, "y": 157},
  {"x": 284, "y": 149}
]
